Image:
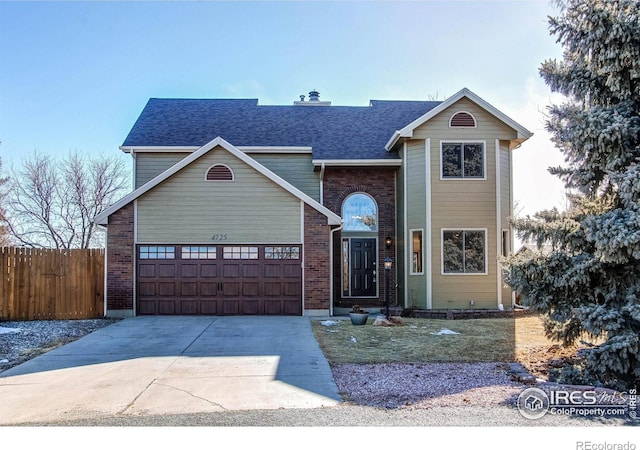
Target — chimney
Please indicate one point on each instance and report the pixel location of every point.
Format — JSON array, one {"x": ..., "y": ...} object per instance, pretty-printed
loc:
[{"x": 314, "y": 100}]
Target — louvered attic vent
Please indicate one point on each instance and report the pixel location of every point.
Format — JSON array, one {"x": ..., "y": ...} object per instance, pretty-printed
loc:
[
  {"x": 462, "y": 119},
  {"x": 219, "y": 172}
]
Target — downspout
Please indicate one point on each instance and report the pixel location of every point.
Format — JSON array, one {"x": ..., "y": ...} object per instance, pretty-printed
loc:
[{"x": 331, "y": 240}]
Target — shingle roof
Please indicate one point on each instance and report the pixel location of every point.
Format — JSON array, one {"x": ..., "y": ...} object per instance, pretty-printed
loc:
[{"x": 333, "y": 132}]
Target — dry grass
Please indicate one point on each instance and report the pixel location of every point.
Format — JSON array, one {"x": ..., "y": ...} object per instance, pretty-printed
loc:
[
  {"x": 501, "y": 339},
  {"x": 416, "y": 341}
]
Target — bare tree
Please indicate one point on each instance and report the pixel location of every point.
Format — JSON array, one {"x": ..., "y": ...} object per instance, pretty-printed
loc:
[
  {"x": 4, "y": 234},
  {"x": 52, "y": 203}
]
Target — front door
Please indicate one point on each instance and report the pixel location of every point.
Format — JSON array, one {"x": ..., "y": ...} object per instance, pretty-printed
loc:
[{"x": 363, "y": 267}]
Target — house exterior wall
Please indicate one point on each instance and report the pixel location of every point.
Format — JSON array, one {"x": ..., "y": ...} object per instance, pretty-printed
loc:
[
  {"x": 187, "y": 209},
  {"x": 150, "y": 165},
  {"x": 296, "y": 168},
  {"x": 458, "y": 204},
  {"x": 317, "y": 265},
  {"x": 379, "y": 183},
  {"x": 120, "y": 263}
]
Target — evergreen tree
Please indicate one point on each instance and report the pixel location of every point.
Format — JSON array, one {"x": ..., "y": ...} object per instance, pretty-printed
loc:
[{"x": 586, "y": 282}]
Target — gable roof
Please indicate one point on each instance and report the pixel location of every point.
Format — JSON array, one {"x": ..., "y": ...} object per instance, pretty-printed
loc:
[
  {"x": 407, "y": 131},
  {"x": 102, "y": 218},
  {"x": 333, "y": 132}
]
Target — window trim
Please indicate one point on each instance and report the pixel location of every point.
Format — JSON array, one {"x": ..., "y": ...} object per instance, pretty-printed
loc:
[
  {"x": 375, "y": 204},
  {"x": 486, "y": 252},
  {"x": 475, "y": 122},
  {"x": 465, "y": 141},
  {"x": 206, "y": 173},
  {"x": 422, "y": 251}
]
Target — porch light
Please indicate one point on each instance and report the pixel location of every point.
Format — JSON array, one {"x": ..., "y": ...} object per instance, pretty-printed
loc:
[
  {"x": 388, "y": 262},
  {"x": 388, "y": 241}
]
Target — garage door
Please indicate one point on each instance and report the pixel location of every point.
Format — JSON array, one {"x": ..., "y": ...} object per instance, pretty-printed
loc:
[{"x": 219, "y": 280}]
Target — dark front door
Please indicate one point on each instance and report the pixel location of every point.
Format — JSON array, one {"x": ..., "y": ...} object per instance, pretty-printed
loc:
[{"x": 363, "y": 267}]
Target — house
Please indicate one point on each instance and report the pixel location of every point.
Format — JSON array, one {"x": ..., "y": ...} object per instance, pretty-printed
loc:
[{"x": 242, "y": 208}]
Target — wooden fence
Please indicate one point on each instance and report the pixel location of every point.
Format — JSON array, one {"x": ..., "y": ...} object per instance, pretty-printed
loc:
[{"x": 43, "y": 284}]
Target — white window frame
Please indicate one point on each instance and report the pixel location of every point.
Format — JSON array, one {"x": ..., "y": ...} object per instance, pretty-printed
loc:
[
  {"x": 486, "y": 252},
  {"x": 466, "y": 141},
  {"x": 422, "y": 251}
]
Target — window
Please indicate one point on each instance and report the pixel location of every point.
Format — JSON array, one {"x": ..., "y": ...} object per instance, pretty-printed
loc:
[
  {"x": 506, "y": 243},
  {"x": 416, "y": 252},
  {"x": 462, "y": 160},
  {"x": 462, "y": 119},
  {"x": 219, "y": 172},
  {"x": 154, "y": 252},
  {"x": 359, "y": 213},
  {"x": 240, "y": 252},
  {"x": 282, "y": 252},
  {"x": 198, "y": 253},
  {"x": 463, "y": 251}
]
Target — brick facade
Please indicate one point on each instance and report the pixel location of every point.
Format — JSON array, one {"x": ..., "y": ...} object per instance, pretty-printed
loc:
[
  {"x": 120, "y": 262},
  {"x": 379, "y": 183},
  {"x": 316, "y": 261}
]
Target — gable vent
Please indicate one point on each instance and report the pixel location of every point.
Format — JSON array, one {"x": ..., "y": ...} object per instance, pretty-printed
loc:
[
  {"x": 219, "y": 172},
  {"x": 462, "y": 119}
]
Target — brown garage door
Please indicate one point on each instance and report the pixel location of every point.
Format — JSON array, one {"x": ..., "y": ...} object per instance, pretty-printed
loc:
[{"x": 219, "y": 280}]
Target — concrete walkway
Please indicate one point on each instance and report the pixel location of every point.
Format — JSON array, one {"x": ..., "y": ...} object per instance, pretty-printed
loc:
[{"x": 173, "y": 365}]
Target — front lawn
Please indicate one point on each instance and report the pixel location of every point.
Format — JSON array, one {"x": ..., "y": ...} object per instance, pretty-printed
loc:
[{"x": 417, "y": 340}]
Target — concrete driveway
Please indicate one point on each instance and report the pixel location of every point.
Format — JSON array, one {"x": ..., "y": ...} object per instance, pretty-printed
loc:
[{"x": 173, "y": 365}]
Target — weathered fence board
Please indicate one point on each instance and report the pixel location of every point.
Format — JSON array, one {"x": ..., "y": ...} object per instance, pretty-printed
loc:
[{"x": 42, "y": 284}]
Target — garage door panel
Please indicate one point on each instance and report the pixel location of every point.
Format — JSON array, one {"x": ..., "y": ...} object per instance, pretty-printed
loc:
[
  {"x": 250, "y": 271},
  {"x": 189, "y": 270},
  {"x": 230, "y": 289},
  {"x": 230, "y": 270},
  {"x": 273, "y": 307},
  {"x": 230, "y": 307},
  {"x": 167, "y": 289},
  {"x": 208, "y": 289},
  {"x": 292, "y": 289},
  {"x": 272, "y": 289},
  {"x": 147, "y": 271},
  {"x": 251, "y": 307},
  {"x": 147, "y": 288},
  {"x": 189, "y": 280},
  {"x": 189, "y": 289},
  {"x": 250, "y": 289},
  {"x": 188, "y": 307},
  {"x": 272, "y": 270},
  {"x": 209, "y": 271},
  {"x": 291, "y": 271},
  {"x": 166, "y": 270},
  {"x": 209, "y": 307},
  {"x": 166, "y": 307}
]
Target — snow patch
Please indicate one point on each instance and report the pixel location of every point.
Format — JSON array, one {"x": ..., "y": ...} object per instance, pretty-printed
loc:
[
  {"x": 5, "y": 330},
  {"x": 444, "y": 331}
]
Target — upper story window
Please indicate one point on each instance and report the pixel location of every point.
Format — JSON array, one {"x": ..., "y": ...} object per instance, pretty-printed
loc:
[
  {"x": 462, "y": 119},
  {"x": 219, "y": 172},
  {"x": 463, "y": 160},
  {"x": 359, "y": 213}
]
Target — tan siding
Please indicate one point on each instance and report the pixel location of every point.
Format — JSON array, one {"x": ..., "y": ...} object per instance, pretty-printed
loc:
[
  {"x": 465, "y": 204},
  {"x": 187, "y": 209},
  {"x": 297, "y": 169},
  {"x": 416, "y": 216},
  {"x": 149, "y": 165}
]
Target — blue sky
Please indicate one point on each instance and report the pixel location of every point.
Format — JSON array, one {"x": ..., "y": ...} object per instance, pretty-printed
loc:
[{"x": 75, "y": 75}]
